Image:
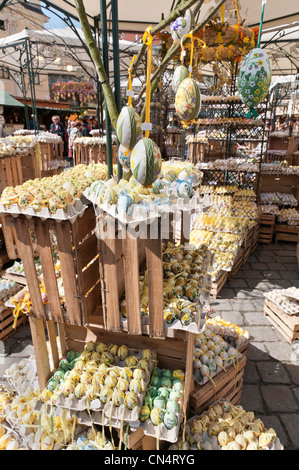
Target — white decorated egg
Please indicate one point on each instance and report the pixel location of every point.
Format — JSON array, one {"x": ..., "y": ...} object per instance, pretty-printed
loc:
[
  {"x": 181, "y": 26},
  {"x": 128, "y": 128},
  {"x": 146, "y": 161},
  {"x": 188, "y": 100}
]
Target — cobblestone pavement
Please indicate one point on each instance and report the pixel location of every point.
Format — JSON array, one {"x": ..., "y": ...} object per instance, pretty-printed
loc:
[{"x": 271, "y": 378}]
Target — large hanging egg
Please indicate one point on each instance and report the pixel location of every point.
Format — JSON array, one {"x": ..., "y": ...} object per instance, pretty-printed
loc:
[
  {"x": 188, "y": 100},
  {"x": 124, "y": 156},
  {"x": 254, "y": 78},
  {"x": 128, "y": 127},
  {"x": 146, "y": 161},
  {"x": 181, "y": 26},
  {"x": 180, "y": 73}
]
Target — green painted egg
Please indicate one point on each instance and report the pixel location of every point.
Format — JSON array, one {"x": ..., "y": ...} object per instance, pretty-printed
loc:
[
  {"x": 146, "y": 161},
  {"x": 178, "y": 385},
  {"x": 172, "y": 406},
  {"x": 128, "y": 127},
  {"x": 159, "y": 403},
  {"x": 64, "y": 365},
  {"x": 52, "y": 384},
  {"x": 254, "y": 78},
  {"x": 180, "y": 73},
  {"x": 59, "y": 374},
  {"x": 188, "y": 100},
  {"x": 165, "y": 382},
  {"x": 71, "y": 356}
]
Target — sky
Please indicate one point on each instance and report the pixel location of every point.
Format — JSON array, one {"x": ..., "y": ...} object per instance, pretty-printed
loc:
[{"x": 55, "y": 21}]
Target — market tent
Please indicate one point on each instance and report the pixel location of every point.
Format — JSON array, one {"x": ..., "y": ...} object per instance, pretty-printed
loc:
[{"x": 8, "y": 100}]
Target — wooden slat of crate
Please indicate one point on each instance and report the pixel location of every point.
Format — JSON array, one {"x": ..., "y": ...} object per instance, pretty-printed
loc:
[
  {"x": 287, "y": 325},
  {"x": 7, "y": 322},
  {"x": 286, "y": 233},
  {"x": 203, "y": 396},
  {"x": 79, "y": 260},
  {"x": 238, "y": 263},
  {"x": 218, "y": 284}
]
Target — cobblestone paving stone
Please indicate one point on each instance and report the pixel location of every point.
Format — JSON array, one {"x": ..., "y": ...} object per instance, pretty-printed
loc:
[{"x": 271, "y": 378}]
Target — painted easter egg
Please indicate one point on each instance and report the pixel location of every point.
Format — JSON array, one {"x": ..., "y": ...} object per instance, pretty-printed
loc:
[
  {"x": 188, "y": 100},
  {"x": 145, "y": 413},
  {"x": 124, "y": 156},
  {"x": 180, "y": 73},
  {"x": 131, "y": 400},
  {"x": 181, "y": 26},
  {"x": 254, "y": 79},
  {"x": 157, "y": 416},
  {"x": 146, "y": 161},
  {"x": 128, "y": 127},
  {"x": 170, "y": 420},
  {"x": 118, "y": 397}
]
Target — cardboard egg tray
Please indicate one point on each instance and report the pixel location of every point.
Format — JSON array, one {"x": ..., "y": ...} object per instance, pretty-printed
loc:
[{"x": 108, "y": 414}]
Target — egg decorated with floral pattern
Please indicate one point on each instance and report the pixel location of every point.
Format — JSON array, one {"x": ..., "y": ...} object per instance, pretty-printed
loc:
[
  {"x": 124, "y": 156},
  {"x": 182, "y": 26},
  {"x": 254, "y": 79},
  {"x": 180, "y": 73},
  {"x": 188, "y": 100}
]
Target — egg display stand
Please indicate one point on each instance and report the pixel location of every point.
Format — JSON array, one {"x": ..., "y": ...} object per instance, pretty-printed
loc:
[
  {"x": 78, "y": 256},
  {"x": 6, "y": 323},
  {"x": 11, "y": 174},
  {"x": 49, "y": 152},
  {"x": 172, "y": 353},
  {"x": 266, "y": 230},
  {"x": 227, "y": 384},
  {"x": 287, "y": 325}
]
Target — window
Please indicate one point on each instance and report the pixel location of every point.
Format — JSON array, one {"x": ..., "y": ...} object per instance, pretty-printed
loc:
[{"x": 4, "y": 73}]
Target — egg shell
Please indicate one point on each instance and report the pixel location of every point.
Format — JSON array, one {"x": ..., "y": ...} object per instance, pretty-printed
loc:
[
  {"x": 188, "y": 100},
  {"x": 157, "y": 416},
  {"x": 170, "y": 420},
  {"x": 118, "y": 397},
  {"x": 146, "y": 161},
  {"x": 128, "y": 127},
  {"x": 182, "y": 26},
  {"x": 131, "y": 400},
  {"x": 254, "y": 77},
  {"x": 144, "y": 413}
]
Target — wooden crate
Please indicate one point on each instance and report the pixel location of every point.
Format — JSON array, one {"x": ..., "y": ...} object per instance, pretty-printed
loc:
[
  {"x": 79, "y": 259},
  {"x": 227, "y": 384},
  {"x": 238, "y": 263},
  {"x": 266, "y": 228},
  {"x": 7, "y": 327},
  {"x": 255, "y": 237},
  {"x": 218, "y": 284},
  {"x": 286, "y": 233},
  {"x": 122, "y": 255},
  {"x": 93, "y": 153},
  {"x": 287, "y": 325},
  {"x": 50, "y": 151},
  {"x": 173, "y": 353}
]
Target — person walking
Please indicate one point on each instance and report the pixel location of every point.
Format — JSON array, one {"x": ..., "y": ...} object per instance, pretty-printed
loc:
[{"x": 74, "y": 133}]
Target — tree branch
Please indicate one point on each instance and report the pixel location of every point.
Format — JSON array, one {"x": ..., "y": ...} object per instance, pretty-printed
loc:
[
  {"x": 97, "y": 60},
  {"x": 173, "y": 50}
]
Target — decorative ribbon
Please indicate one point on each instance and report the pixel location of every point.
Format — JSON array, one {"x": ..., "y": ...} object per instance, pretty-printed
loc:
[
  {"x": 148, "y": 40},
  {"x": 237, "y": 10},
  {"x": 130, "y": 81}
]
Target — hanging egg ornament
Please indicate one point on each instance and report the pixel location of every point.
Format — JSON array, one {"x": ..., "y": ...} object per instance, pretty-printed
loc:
[
  {"x": 124, "y": 156},
  {"x": 146, "y": 161},
  {"x": 180, "y": 73},
  {"x": 182, "y": 26},
  {"x": 254, "y": 79},
  {"x": 128, "y": 127},
  {"x": 188, "y": 100}
]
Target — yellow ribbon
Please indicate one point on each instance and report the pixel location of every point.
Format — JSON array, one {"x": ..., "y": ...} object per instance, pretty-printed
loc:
[
  {"x": 237, "y": 10},
  {"x": 222, "y": 13},
  {"x": 190, "y": 35},
  {"x": 130, "y": 80},
  {"x": 148, "y": 40}
]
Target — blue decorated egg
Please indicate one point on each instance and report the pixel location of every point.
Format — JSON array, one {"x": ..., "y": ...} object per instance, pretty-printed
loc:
[
  {"x": 188, "y": 100},
  {"x": 180, "y": 73},
  {"x": 254, "y": 78},
  {"x": 181, "y": 26},
  {"x": 124, "y": 156},
  {"x": 146, "y": 161},
  {"x": 128, "y": 127}
]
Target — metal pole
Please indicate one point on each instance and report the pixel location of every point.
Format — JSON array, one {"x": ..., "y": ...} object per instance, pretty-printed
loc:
[
  {"x": 106, "y": 65},
  {"x": 114, "y": 10},
  {"x": 31, "y": 84}
]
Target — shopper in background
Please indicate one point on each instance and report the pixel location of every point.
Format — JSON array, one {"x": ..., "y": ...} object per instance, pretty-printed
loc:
[
  {"x": 85, "y": 128},
  {"x": 57, "y": 127},
  {"x": 74, "y": 133},
  {"x": 2, "y": 131}
]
